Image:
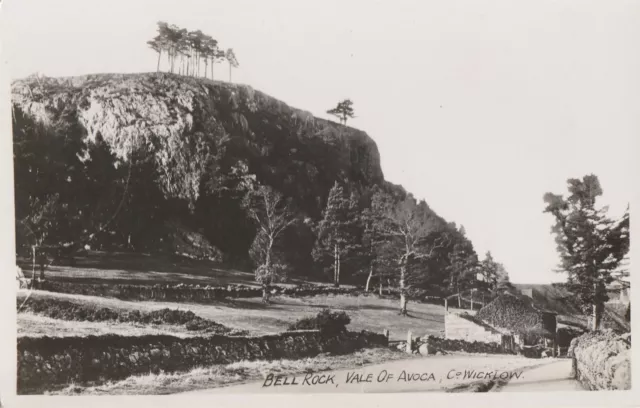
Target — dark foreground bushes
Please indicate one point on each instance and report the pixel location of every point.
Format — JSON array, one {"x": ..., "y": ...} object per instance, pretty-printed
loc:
[
  {"x": 326, "y": 322},
  {"x": 65, "y": 310}
]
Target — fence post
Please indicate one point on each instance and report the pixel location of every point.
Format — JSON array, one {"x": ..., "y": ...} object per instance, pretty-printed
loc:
[
  {"x": 409, "y": 341},
  {"x": 386, "y": 334},
  {"x": 446, "y": 305}
]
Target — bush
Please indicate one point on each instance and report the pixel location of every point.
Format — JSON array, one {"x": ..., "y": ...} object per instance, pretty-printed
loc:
[{"x": 326, "y": 321}]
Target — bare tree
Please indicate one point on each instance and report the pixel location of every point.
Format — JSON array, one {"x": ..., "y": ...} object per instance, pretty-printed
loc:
[
  {"x": 415, "y": 232},
  {"x": 272, "y": 215}
]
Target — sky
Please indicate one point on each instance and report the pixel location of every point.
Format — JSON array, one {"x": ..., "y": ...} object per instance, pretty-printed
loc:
[{"x": 479, "y": 107}]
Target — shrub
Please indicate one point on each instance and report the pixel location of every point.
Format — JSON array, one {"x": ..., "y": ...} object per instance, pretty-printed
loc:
[{"x": 326, "y": 321}]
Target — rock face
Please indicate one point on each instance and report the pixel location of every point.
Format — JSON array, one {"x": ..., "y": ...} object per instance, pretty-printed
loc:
[
  {"x": 192, "y": 132},
  {"x": 175, "y": 116},
  {"x": 602, "y": 360}
]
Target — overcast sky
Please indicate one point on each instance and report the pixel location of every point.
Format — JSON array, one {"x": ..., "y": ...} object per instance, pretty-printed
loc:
[{"x": 478, "y": 107}]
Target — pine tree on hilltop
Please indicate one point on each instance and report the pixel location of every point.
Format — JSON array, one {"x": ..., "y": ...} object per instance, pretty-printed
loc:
[
  {"x": 232, "y": 60},
  {"x": 343, "y": 111},
  {"x": 337, "y": 240}
]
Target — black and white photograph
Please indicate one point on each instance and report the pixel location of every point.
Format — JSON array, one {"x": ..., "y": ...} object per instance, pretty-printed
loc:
[{"x": 319, "y": 197}]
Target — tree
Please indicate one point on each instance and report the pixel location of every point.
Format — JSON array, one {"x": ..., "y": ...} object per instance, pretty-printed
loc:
[
  {"x": 336, "y": 232},
  {"x": 463, "y": 262},
  {"x": 272, "y": 215},
  {"x": 373, "y": 245},
  {"x": 489, "y": 271},
  {"x": 502, "y": 279},
  {"x": 232, "y": 60},
  {"x": 209, "y": 50},
  {"x": 411, "y": 226},
  {"x": 157, "y": 45},
  {"x": 343, "y": 111},
  {"x": 216, "y": 57},
  {"x": 591, "y": 245}
]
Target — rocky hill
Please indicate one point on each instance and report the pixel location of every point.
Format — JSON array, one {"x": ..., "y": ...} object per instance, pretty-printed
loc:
[
  {"x": 169, "y": 114},
  {"x": 166, "y": 150}
]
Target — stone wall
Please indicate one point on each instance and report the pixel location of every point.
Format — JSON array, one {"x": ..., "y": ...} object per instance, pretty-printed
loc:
[
  {"x": 48, "y": 363},
  {"x": 182, "y": 292},
  {"x": 436, "y": 344},
  {"x": 602, "y": 360},
  {"x": 463, "y": 327}
]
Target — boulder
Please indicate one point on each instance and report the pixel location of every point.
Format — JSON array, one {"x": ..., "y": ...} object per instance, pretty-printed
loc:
[{"x": 426, "y": 349}]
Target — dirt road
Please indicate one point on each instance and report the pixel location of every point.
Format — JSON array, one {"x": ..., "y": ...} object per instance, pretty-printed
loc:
[
  {"x": 547, "y": 378},
  {"x": 429, "y": 374}
]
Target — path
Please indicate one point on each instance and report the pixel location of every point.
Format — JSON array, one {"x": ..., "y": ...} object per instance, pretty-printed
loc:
[
  {"x": 549, "y": 377},
  {"x": 428, "y": 374}
]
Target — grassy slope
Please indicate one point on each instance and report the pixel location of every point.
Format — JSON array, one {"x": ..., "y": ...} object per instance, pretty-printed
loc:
[
  {"x": 137, "y": 268},
  {"x": 367, "y": 313},
  {"x": 31, "y": 325}
]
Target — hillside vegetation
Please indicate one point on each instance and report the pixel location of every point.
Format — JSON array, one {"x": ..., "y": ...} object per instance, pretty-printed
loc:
[
  {"x": 163, "y": 163},
  {"x": 157, "y": 157}
]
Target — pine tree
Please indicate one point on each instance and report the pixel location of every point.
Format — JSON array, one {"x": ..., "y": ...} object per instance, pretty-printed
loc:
[
  {"x": 462, "y": 268},
  {"x": 343, "y": 111},
  {"x": 230, "y": 56},
  {"x": 489, "y": 271},
  {"x": 591, "y": 245},
  {"x": 502, "y": 279},
  {"x": 337, "y": 238}
]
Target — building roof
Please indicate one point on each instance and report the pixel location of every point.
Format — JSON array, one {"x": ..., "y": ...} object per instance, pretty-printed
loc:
[{"x": 515, "y": 313}]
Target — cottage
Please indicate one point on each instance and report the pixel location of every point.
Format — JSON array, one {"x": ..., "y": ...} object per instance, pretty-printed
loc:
[{"x": 517, "y": 315}]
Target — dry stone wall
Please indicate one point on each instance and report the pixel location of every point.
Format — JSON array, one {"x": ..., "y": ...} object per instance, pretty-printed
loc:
[
  {"x": 182, "y": 292},
  {"x": 47, "y": 363},
  {"x": 439, "y": 344},
  {"x": 602, "y": 360}
]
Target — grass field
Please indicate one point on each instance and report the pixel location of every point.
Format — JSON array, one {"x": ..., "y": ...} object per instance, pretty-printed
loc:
[
  {"x": 138, "y": 268},
  {"x": 31, "y": 325},
  {"x": 367, "y": 313}
]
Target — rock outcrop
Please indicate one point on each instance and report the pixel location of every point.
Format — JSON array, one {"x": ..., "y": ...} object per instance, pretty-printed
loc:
[
  {"x": 175, "y": 117},
  {"x": 602, "y": 360},
  {"x": 189, "y": 133}
]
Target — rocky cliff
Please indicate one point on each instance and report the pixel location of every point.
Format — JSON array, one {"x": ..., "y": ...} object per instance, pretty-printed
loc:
[
  {"x": 177, "y": 118},
  {"x": 182, "y": 136}
]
